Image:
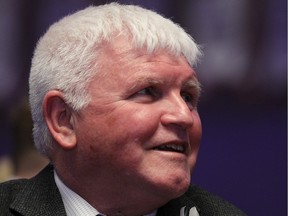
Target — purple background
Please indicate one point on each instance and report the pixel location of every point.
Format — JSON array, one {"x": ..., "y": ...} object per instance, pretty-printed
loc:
[{"x": 243, "y": 156}]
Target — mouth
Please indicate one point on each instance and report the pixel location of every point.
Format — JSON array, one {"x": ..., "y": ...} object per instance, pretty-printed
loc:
[{"x": 172, "y": 147}]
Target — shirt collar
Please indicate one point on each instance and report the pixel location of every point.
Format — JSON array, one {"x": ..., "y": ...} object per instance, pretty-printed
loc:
[{"x": 73, "y": 203}]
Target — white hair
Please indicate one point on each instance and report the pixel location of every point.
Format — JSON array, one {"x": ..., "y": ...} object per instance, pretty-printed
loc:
[{"x": 66, "y": 56}]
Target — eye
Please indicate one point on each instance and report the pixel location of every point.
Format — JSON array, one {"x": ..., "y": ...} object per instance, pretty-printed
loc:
[
  {"x": 189, "y": 99},
  {"x": 147, "y": 94},
  {"x": 147, "y": 91}
]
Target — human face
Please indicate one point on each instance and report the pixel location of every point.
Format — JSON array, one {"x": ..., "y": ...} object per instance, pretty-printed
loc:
[{"x": 141, "y": 131}]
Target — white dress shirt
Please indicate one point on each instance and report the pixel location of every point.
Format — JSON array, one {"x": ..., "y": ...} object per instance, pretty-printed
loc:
[{"x": 74, "y": 204}]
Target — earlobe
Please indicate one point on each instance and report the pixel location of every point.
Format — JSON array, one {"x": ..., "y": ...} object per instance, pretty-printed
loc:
[{"x": 59, "y": 119}]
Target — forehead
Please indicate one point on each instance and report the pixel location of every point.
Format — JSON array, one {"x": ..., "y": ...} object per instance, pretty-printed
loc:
[
  {"x": 121, "y": 53},
  {"x": 123, "y": 69},
  {"x": 121, "y": 62}
]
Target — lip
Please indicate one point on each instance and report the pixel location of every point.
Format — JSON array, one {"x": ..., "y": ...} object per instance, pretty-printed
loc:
[{"x": 174, "y": 146}]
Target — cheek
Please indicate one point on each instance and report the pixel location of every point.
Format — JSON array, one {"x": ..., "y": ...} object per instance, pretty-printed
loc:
[
  {"x": 196, "y": 130},
  {"x": 195, "y": 136},
  {"x": 135, "y": 125},
  {"x": 121, "y": 131}
]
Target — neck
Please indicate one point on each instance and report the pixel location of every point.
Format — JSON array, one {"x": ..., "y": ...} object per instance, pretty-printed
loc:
[{"x": 112, "y": 201}]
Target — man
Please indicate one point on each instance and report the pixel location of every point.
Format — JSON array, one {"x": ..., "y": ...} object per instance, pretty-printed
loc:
[{"x": 114, "y": 104}]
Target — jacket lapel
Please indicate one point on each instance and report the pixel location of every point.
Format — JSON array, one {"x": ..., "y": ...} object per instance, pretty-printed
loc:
[{"x": 39, "y": 196}]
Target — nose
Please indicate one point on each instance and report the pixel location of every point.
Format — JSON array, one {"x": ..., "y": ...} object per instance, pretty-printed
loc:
[{"x": 176, "y": 112}]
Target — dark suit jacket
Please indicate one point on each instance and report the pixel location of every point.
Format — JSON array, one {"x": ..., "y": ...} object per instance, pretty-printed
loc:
[{"x": 39, "y": 196}]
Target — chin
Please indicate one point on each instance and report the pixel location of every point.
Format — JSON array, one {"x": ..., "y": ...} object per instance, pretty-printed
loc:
[
  {"x": 176, "y": 186},
  {"x": 182, "y": 187}
]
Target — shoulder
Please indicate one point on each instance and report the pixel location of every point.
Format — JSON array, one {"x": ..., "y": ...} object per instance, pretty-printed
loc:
[
  {"x": 10, "y": 188},
  {"x": 36, "y": 196},
  {"x": 210, "y": 204},
  {"x": 7, "y": 189},
  {"x": 8, "y": 192}
]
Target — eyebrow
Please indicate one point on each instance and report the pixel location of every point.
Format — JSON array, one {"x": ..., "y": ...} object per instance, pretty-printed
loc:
[
  {"x": 142, "y": 81},
  {"x": 192, "y": 84}
]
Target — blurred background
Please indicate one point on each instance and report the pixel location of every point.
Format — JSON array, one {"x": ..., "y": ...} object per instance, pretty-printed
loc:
[{"x": 243, "y": 156}]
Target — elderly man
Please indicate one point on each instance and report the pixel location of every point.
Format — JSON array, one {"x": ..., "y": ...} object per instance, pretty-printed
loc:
[{"x": 114, "y": 99}]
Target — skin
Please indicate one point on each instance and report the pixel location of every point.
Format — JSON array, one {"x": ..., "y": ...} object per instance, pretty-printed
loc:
[{"x": 138, "y": 103}]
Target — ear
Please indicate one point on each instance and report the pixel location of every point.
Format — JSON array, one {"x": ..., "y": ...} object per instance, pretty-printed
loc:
[{"x": 59, "y": 118}]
